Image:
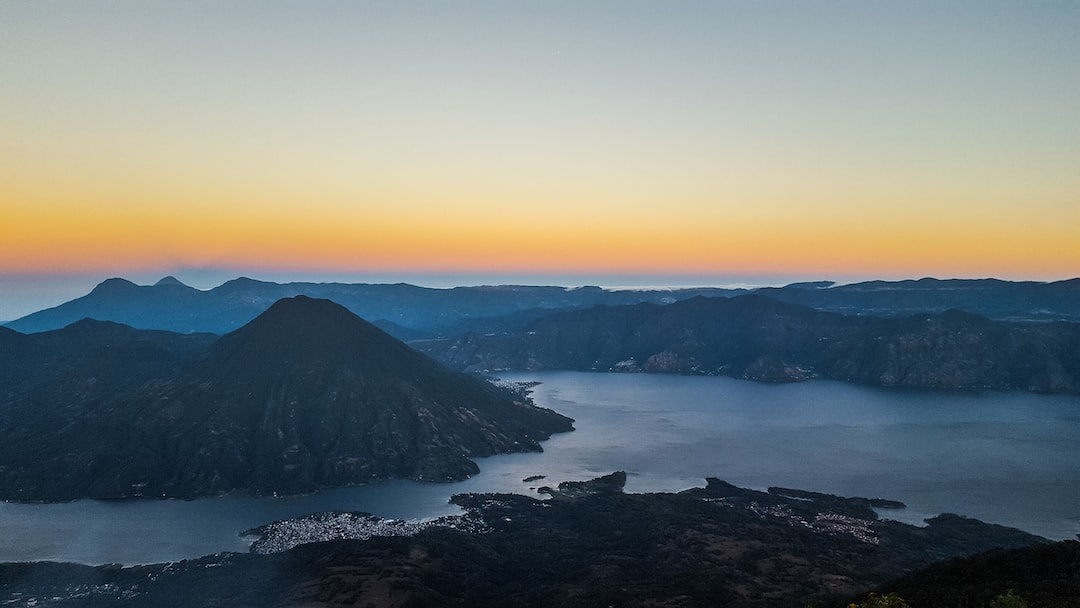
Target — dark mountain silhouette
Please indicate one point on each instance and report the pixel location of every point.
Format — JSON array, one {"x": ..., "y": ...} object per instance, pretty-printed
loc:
[
  {"x": 759, "y": 338},
  {"x": 169, "y": 280},
  {"x": 417, "y": 311},
  {"x": 413, "y": 312},
  {"x": 992, "y": 298},
  {"x": 306, "y": 395},
  {"x": 26, "y": 359}
]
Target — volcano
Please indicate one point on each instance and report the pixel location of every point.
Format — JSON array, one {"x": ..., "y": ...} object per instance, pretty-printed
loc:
[{"x": 305, "y": 396}]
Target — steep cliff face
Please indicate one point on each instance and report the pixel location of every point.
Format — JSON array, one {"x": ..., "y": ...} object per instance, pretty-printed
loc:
[
  {"x": 758, "y": 338},
  {"x": 306, "y": 395}
]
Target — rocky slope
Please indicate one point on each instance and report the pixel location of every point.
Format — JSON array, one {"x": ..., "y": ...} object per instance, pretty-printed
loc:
[
  {"x": 306, "y": 395},
  {"x": 759, "y": 338}
]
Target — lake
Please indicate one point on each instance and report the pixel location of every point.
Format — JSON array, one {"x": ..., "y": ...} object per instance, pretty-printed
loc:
[{"x": 1008, "y": 458}]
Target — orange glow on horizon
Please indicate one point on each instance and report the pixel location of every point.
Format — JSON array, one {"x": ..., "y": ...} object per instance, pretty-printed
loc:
[
  {"x": 58, "y": 238},
  {"x": 490, "y": 138}
]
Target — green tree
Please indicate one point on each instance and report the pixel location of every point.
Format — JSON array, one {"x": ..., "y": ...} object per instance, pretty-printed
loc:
[
  {"x": 890, "y": 600},
  {"x": 1009, "y": 599}
]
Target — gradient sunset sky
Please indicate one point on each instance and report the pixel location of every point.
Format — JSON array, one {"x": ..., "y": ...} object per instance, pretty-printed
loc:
[{"x": 611, "y": 142}]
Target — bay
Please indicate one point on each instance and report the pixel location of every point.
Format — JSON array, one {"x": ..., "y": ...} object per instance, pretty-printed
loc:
[{"x": 1008, "y": 458}]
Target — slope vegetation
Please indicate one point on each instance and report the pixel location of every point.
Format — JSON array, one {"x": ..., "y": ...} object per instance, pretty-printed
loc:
[
  {"x": 759, "y": 338},
  {"x": 306, "y": 395}
]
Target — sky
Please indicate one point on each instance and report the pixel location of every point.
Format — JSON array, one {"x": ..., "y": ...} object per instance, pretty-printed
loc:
[{"x": 562, "y": 142}]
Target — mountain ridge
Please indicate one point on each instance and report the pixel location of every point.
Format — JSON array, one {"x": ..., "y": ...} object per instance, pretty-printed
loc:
[
  {"x": 428, "y": 312},
  {"x": 756, "y": 337}
]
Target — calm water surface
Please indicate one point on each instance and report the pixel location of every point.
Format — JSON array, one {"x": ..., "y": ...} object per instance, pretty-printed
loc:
[{"x": 1009, "y": 458}]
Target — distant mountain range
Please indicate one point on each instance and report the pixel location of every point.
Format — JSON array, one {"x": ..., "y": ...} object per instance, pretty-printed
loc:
[
  {"x": 411, "y": 312},
  {"x": 759, "y": 338},
  {"x": 991, "y": 298},
  {"x": 304, "y": 396},
  {"x": 405, "y": 310},
  {"x": 926, "y": 333}
]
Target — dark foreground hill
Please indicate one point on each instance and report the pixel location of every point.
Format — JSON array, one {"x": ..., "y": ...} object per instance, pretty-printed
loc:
[
  {"x": 589, "y": 545},
  {"x": 307, "y": 395},
  {"x": 759, "y": 338},
  {"x": 1043, "y": 576}
]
